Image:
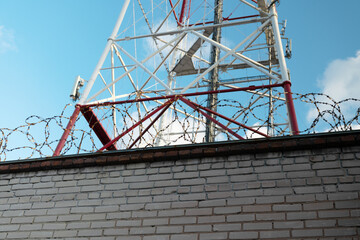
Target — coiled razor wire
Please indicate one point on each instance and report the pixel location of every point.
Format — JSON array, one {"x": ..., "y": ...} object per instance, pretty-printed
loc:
[{"x": 38, "y": 137}]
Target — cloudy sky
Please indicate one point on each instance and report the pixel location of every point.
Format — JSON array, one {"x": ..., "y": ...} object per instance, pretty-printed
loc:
[{"x": 45, "y": 44}]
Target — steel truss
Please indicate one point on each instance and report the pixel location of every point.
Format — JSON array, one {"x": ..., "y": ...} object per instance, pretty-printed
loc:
[{"x": 167, "y": 77}]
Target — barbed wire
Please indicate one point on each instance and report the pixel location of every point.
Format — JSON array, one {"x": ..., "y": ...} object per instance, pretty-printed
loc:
[{"x": 38, "y": 137}]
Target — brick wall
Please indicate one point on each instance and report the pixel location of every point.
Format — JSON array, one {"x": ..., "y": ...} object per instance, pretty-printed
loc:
[{"x": 290, "y": 188}]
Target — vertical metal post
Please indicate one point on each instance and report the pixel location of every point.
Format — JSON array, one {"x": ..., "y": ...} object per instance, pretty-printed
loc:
[
  {"x": 214, "y": 74},
  {"x": 294, "y": 130}
]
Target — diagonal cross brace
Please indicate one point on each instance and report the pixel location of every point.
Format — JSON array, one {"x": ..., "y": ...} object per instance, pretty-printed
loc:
[
  {"x": 191, "y": 104},
  {"x": 230, "y": 120},
  {"x": 96, "y": 125},
  {"x": 166, "y": 104}
]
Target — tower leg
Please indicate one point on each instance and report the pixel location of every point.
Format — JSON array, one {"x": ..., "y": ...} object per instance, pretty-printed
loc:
[
  {"x": 294, "y": 129},
  {"x": 67, "y": 131}
]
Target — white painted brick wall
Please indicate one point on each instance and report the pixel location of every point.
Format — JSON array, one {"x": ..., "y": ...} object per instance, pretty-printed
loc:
[{"x": 279, "y": 195}]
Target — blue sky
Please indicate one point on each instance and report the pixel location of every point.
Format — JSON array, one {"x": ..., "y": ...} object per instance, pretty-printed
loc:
[{"x": 45, "y": 44}]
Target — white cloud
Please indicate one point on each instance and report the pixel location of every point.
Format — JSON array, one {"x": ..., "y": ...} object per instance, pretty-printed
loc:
[
  {"x": 7, "y": 40},
  {"x": 340, "y": 81},
  {"x": 341, "y": 78}
]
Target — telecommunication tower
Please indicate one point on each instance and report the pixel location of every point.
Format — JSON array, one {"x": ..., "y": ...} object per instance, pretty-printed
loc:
[{"x": 181, "y": 71}]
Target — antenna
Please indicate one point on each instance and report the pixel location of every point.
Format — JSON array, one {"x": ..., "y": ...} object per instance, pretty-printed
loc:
[{"x": 186, "y": 72}]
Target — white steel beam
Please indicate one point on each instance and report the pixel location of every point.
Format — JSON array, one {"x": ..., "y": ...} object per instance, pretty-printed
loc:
[{"x": 101, "y": 61}]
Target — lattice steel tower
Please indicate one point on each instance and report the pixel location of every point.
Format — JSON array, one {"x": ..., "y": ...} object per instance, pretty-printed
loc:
[{"x": 182, "y": 71}]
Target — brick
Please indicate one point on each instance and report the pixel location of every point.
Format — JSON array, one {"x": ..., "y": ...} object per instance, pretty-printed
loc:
[
  {"x": 278, "y": 191},
  {"x": 326, "y": 165},
  {"x": 300, "y": 215},
  {"x": 243, "y": 178},
  {"x": 340, "y": 232},
  {"x": 240, "y": 218},
  {"x": 194, "y": 196},
  {"x": 183, "y": 236},
  {"x": 206, "y": 236},
  {"x": 320, "y": 223},
  {"x": 197, "y": 228},
  {"x": 318, "y": 206},
  {"x": 156, "y": 237},
  {"x": 212, "y": 203},
  {"x": 146, "y": 199},
  {"x": 347, "y": 204},
  {"x": 270, "y": 199},
  {"x": 182, "y": 175},
  {"x": 349, "y": 187},
  {"x": 171, "y": 213},
  {"x": 226, "y": 227},
  {"x": 41, "y": 234},
  {"x": 17, "y": 235},
  {"x": 65, "y": 233},
  {"x": 78, "y": 225},
  {"x": 249, "y": 193},
  {"x": 143, "y": 214},
  {"x": 301, "y": 198},
  {"x": 222, "y": 179},
  {"x": 169, "y": 229},
  {"x": 157, "y": 206},
  {"x": 155, "y": 221},
  {"x": 10, "y": 227},
  {"x": 274, "y": 234},
  {"x": 183, "y": 220},
  {"x": 257, "y": 226},
  {"x": 168, "y": 183},
  {"x": 301, "y": 174},
  {"x": 349, "y": 222},
  {"x": 267, "y": 169},
  {"x": 270, "y": 216},
  {"x": 89, "y": 233},
  {"x": 211, "y": 219},
  {"x": 219, "y": 195},
  {"x": 187, "y": 204},
  {"x": 331, "y": 172},
  {"x": 257, "y": 208},
  {"x": 158, "y": 177},
  {"x": 288, "y": 225},
  {"x": 334, "y": 214},
  {"x": 142, "y": 230},
  {"x": 128, "y": 223},
  {"x": 307, "y": 233},
  {"x": 243, "y": 235},
  {"x": 198, "y": 211},
  {"x": 54, "y": 226},
  {"x": 227, "y": 210},
  {"x": 354, "y": 171},
  {"x": 351, "y": 163},
  {"x": 271, "y": 176},
  {"x": 297, "y": 167},
  {"x": 287, "y": 207}
]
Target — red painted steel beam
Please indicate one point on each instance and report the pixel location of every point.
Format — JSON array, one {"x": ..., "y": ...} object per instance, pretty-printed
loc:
[
  {"x": 176, "y": 18},
  {"x": 224, "y": 19},
  {"x": 135, "y": 125},
  {"x": 187, "y": 95},
  {"x": 291, "y": 108},
  {"x": 182, "y": 13},
  {"x": 98, "y": 128},
  {"x": 230, "y": 120},
  {"x": 189, "y": 103},
  {"x": 67, "y": 131},
  {"x": 152, "y": 123}
]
